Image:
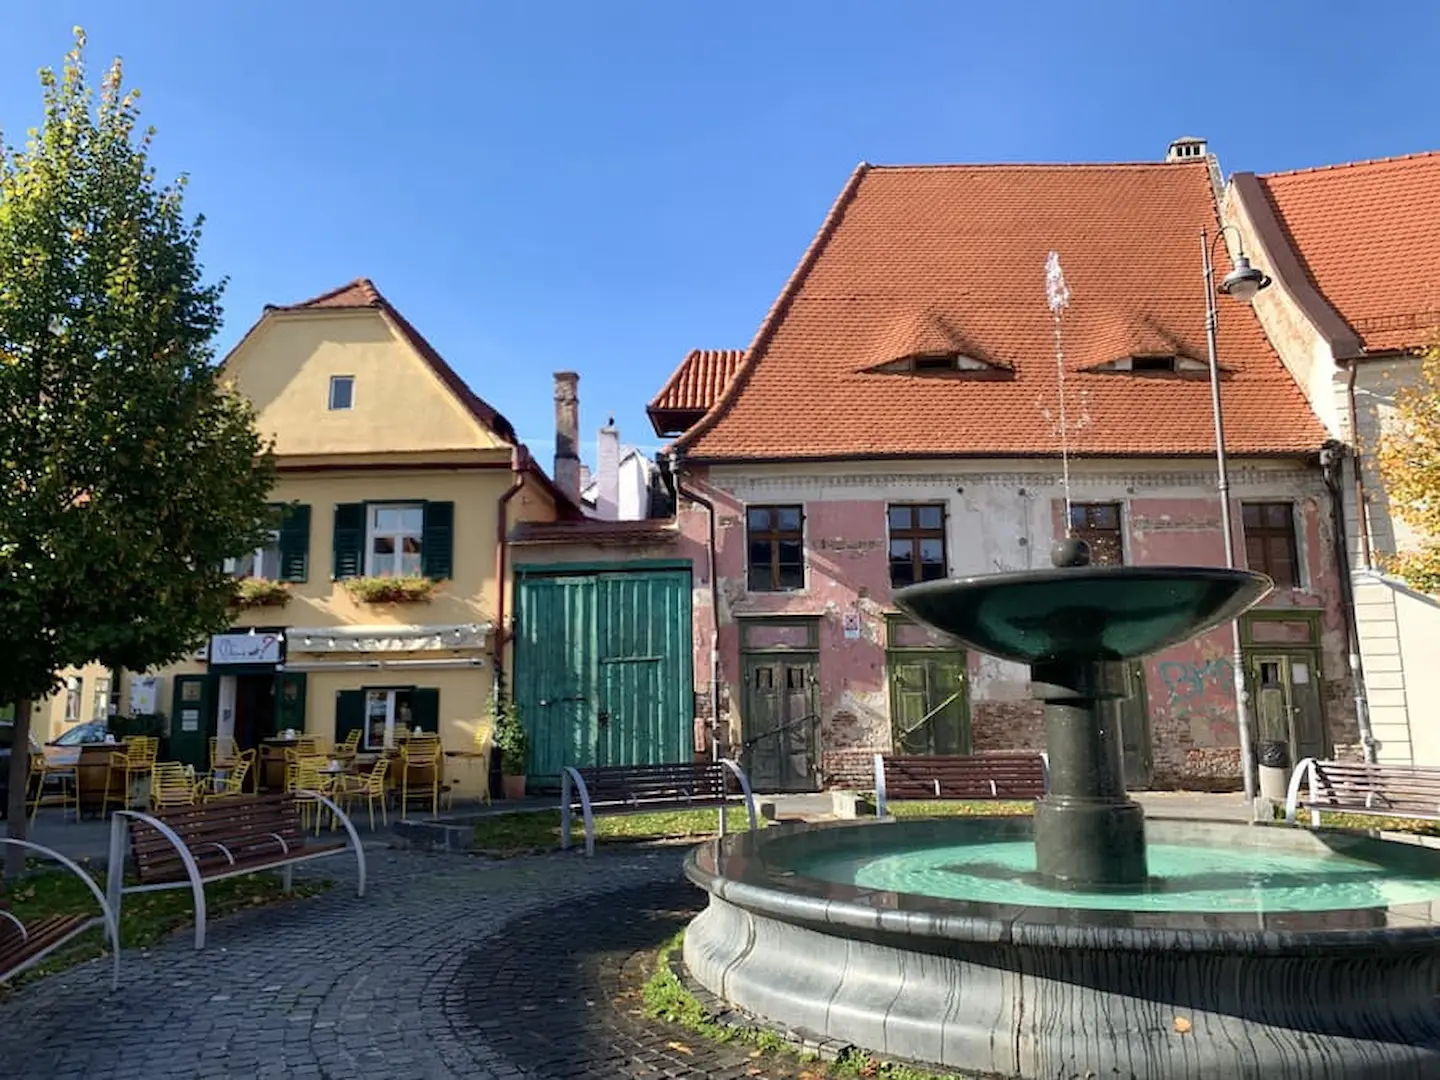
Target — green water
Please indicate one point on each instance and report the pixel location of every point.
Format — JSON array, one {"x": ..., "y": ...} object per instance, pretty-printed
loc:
[{"x": 1193, "y": 878}]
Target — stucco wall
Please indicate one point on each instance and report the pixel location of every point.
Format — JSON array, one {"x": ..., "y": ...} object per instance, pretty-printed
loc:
[{"x": 1003, "y": 518}]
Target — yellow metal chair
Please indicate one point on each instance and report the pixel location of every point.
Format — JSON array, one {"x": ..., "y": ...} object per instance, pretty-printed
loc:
[
  {"x": 128, "y": 767},
  {"x": 310, "y": 777},
  {"x": 479, "y": 754},
  {"x": 421, "y": 754},
  {"x": 372, "y": 787},
  {"x": 69, "y": 795},
  {"x": 234, "y": 782},
  {"x": 347, "y": 747},
  {"x": 172, "y": 784}
]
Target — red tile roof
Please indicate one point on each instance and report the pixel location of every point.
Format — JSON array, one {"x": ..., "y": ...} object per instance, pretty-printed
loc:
[
  {"x": 361, "y": 293},
  {"x": 909, "y": 254},
  {"x": 1368, "y": 236},
  {"x": 692, "y": 388},
  {"x": 597, "y": 532}
]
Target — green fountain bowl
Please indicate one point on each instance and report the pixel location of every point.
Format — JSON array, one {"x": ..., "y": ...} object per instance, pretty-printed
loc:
[{"x": 1084, "y": 613}]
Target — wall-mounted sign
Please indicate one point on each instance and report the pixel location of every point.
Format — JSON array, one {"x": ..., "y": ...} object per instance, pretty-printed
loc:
[
  {"x": 256, "y": 648},
  {"x": 851, "y": 623},
  {"x": 143, "y": 694}
]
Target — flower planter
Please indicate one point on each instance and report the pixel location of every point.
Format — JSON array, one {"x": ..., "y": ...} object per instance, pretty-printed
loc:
[
  {"x": 390, "y": 590},
  {"x": 513, "y": 787},
  {"x": 257, "y": 592}
]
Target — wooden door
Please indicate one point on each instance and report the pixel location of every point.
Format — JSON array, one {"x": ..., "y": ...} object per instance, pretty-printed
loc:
[
  {"x": 781, "y": 723},
  {"x": 929, "y": 711},
  {"x": 192, "y": 721}
]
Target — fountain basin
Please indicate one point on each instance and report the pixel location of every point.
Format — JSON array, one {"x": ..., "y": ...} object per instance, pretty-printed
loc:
[
  {"x": 1331, "y": 968},
  {"x": 1090, "y": 613}
]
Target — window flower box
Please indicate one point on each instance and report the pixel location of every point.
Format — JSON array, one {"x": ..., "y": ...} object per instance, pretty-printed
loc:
[
  {"x": 260, "y": 592},
  {"x": 391, "y": 590}
]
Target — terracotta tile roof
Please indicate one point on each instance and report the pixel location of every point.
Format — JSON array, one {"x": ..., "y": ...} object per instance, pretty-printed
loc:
[
  {"x": 361, "y": 293},
  {"x": 1368, "y": 236},
  {"x": 963, "y": 249},
  {"x": 692, "y": 388}
]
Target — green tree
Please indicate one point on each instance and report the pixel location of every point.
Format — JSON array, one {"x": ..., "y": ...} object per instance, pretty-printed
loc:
[
  {"x": 132, "y": 470},
  {"x": 1410, "y": 465}
]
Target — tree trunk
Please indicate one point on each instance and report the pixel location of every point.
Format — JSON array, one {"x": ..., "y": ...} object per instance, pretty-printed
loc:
[{"x": 17, "y": 820}]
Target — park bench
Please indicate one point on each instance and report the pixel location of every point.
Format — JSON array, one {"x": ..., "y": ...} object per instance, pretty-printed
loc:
[
  {"x": 189, "y": 846},
  {"x": 626, "y": 789},
  {"x": 1356, "y": 787},
  {"x": 1008, "y": 774},
  {"x": 23, "y": 945}
]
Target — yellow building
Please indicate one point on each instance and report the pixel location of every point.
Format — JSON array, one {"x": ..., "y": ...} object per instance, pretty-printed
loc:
[
  {"x": 390, "y": 467},
  {"x": 86, "y": 694}
]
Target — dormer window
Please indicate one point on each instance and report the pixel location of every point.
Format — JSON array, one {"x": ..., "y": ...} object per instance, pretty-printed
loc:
[
  {"x": 342, "y": 392},
  {"x": 1154, "y": 365},
  {"x": 927, "y": 363}
]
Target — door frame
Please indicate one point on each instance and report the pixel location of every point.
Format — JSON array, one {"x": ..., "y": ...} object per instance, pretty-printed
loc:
[
  {"x": 921, "y": 652},
  {"x": 1310, "y": 651},
  {"x": 753, "y": 655}
]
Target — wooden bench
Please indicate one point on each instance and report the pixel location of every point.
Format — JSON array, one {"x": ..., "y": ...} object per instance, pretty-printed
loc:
[
  {"x": 188, "y": 846},
  {"x": 1008, "y": 774},
  {"x": 1355, "y": 787},
  {"x": 23, "y": 945},
  {"x": 626, "y": 789}
]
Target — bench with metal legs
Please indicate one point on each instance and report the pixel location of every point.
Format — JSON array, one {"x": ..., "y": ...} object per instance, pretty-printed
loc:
[
  {"x": 626, "y": 789},
  {"x": 187, "y": 847},
  {"x": 1004, "y": 774},
  {"x": 22, "y": 945}
]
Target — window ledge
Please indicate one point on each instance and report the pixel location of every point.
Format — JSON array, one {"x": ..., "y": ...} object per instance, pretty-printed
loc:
[
  {"x": 260, "y": 592},
  {"x": 391, "y": 590}
]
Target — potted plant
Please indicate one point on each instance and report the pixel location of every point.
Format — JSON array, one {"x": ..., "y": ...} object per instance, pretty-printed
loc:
[
  {"x": 514, "y": 746},
  {"x": 391, "y": 590},
  {"x": 260, "y": 592}
]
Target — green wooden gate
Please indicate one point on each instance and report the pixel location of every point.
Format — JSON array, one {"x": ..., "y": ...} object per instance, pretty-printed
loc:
[{"x": 603, "y": 667}]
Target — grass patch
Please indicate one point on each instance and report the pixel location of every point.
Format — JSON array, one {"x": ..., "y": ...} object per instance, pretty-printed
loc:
[
  {"x": 522, "y": 833},
  {"x": 665, "y": 998},
  {"x": 145, "y": 918},
  {"x": 1339, "y": 820},
  {"x": 953, "y": 807}
]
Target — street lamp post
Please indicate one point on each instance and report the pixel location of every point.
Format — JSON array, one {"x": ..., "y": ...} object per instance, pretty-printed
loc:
[{"x": 1242, "y": 283}]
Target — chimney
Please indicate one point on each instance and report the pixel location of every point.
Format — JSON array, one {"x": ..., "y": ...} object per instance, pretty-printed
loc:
[
  {"x": 607, "y": 473},
  {"x": 1186, "y": 148},
  {"x": 567, "y": 434}
]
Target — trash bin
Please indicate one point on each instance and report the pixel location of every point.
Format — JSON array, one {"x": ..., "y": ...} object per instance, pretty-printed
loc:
[{"x": 1273, "y": 757}]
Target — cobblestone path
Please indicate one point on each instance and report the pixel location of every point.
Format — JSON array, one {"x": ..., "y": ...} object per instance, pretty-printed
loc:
[{"x": 449, "y": 967}]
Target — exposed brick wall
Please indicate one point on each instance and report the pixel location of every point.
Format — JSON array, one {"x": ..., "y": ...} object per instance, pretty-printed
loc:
[{"x": 1007, "y": 725}]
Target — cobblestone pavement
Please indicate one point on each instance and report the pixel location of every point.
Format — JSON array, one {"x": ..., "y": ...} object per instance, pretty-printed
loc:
[{"x": 449, "y": 967}]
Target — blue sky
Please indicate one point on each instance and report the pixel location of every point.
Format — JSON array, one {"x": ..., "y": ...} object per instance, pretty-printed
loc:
[{"x": 604, "y": 185}]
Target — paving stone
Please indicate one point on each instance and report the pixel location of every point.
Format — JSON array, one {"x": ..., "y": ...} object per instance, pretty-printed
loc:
[{"x": 452, "y": 966}]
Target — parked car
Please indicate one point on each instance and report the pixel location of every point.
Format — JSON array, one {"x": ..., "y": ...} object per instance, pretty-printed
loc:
[{"x": 65, "y": 750}]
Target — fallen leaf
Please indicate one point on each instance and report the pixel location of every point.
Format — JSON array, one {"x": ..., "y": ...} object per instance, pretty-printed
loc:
[
  {"x": 1182, "y": 1025},
  {"x": 679, "y": 1048}
]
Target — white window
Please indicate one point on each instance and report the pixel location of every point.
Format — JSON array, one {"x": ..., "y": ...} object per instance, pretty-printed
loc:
[
  {"x": 385, "y": 712},
  {"x": 100, "y": 699},
  {"x": 263, "y": 562},
  {"x": 73, "y": 688},
  {"x": 342, "y": 392},
  {"x": 393, "y": 541}
]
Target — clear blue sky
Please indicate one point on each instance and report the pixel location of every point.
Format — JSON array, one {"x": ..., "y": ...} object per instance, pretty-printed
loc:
[{"x": 604, "y": 184}]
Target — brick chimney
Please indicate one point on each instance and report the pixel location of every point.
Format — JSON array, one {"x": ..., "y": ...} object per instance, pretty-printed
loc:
[
  {"x": 567, "y": 434},
  {"x": 1187, "y": 148}
]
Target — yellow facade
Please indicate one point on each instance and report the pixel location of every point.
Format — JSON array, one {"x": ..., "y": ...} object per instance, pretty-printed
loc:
[
  {"x": 407, "y": 445},
  {"x": 85, "y": 695}
]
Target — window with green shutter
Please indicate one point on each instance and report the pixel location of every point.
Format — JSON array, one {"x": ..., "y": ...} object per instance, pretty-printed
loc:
[
  {"x": 348, "y": 548},
  {"x": 294, "y": 542},
  {"x": 349, "y": 713},
  {"x": 425, "y": 708},
  {"x": 437, "y": 543}
]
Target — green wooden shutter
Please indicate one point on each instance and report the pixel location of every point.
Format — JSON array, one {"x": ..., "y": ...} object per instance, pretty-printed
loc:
[
  {"x": 349, "y": 541},
  {"x": 349, "y": 712},
  {"x": 295, "y": 544},
  {"x": 425, "y": 708},
  {"x": 437, "y": 544}
]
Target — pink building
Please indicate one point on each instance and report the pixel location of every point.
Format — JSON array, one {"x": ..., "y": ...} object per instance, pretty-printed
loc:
[{"x": 898, "y": 418}]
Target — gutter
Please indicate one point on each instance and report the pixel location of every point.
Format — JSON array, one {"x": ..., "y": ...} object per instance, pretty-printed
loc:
[
  {"x": 519, "y": 463},
  {"x": 1362, "y": 517},
  {"x": 1330, "y": 458},
  {"x": 670, "y": 466}
]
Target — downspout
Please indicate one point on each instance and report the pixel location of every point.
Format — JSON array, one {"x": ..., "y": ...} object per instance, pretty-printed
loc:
[
  {"x": 519, "y": 461},
  {"x": 1362, "y": 517},
  {"x": 1330, "y": 458},
  {"x": 671, "y": 471}
]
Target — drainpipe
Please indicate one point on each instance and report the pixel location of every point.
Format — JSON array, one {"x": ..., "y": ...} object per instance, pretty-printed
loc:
[
  {"x": 1330, "y": 457},
  {"x": 671, "y": 469},
  {"x": 519, "y": 462},
  {"x": 1362, "y": 517}
]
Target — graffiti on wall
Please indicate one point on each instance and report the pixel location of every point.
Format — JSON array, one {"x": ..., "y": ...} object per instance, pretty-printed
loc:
[{"x": 1200, "y": 695}]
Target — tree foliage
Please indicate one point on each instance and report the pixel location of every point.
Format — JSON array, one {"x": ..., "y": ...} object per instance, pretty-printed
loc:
[
  {"x": 1409, "y": 460},
  {"x": 131, "y": 470}
]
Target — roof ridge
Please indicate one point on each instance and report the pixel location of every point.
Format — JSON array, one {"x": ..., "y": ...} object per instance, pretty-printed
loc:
[
  {"x": 1026, "y": 165},
  {"x": 1363, "y": 162},
  {"x": 364, "y": 285},
  {"x": 777, "y": 310}
]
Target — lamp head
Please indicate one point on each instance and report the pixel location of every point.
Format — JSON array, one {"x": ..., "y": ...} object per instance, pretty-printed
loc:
[{"x": 1244, "y": 281}]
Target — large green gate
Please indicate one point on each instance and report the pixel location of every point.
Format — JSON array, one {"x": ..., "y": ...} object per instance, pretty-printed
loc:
[{"x": 603, "y": 667}]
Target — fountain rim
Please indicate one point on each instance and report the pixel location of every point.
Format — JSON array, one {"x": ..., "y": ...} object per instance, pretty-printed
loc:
[
  {"x": 1051, "y": 575},
  {"x": 791, "y": 897}
]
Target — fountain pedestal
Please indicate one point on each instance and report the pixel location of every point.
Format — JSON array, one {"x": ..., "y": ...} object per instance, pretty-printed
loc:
[{"x": 1089, "y": 834}]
